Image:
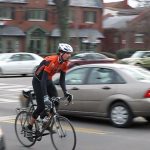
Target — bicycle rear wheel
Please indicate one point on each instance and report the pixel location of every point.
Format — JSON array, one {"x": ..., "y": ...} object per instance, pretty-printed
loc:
[
  {"x": 22, "y": 120},
  {"x": 65, "y": 136}
]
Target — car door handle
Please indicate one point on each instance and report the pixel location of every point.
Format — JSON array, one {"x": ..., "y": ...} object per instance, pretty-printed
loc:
[
  {"x": 106, "y": 88},
  {"x": 75, "y": 88}
]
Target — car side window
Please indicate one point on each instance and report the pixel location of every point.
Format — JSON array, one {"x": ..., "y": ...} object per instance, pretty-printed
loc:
[
  {"x": 98, "y": 56},
  {"x": 88, "y": 57},
  {"x": 104, "y": 76},
  {"x": 15, "y": 57},
  {"x": 147, "y": 54},
  {"x": 26, "y": 57},
  {"x": 76, "y": 77}
]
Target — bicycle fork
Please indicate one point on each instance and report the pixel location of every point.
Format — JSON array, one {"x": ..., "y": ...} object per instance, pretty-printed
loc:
[{"x": 59, "y": 128}]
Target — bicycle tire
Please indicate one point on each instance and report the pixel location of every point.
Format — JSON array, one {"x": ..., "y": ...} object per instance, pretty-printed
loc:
[
  {"x": 62, "y": 126},
  {"x": 22, "y": 120}
]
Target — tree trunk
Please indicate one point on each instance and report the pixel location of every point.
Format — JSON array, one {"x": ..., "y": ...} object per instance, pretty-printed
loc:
[{"x": 62, "y": 7}]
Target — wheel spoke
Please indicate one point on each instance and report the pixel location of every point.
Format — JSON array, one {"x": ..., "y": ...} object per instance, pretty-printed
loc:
[
  {"x": 21, "y": 121},
  {"x": 65, "y": 137}
]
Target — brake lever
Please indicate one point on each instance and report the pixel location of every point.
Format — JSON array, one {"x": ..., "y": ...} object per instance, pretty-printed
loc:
[{"x": 70, "y": 101}]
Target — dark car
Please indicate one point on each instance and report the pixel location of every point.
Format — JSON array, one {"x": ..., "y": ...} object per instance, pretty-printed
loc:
[{"x": 89, "y": 58}]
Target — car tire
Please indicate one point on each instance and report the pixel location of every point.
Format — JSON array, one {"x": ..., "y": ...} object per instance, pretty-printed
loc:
[
  {"x": 137, "y": 64},
  {"x": 120, "y": 115},
  {"x": 1, "y": 72},
  {"x": 147, "y": 119}
]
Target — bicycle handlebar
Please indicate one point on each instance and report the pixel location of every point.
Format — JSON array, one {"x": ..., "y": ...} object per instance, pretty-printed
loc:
[{"x": 58, "y": 99}]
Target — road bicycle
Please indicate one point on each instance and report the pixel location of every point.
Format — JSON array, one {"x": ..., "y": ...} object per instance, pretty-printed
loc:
[{"x": 60, "y": 129}]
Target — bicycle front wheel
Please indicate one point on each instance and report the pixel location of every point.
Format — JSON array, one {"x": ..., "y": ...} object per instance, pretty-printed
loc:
[
  {"x": 22, "y": 120},
  {"x": 63, "y": 135}
]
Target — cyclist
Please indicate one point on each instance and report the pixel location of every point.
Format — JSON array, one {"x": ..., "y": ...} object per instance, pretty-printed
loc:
[{"x": 42, "y": 81}]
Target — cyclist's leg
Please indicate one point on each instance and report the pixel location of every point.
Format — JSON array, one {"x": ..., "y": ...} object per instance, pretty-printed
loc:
[{"x": 40, "y": 104}]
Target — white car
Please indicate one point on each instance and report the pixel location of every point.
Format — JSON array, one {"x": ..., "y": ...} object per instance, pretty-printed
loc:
[
  {"x": 2, "y": 140},
  {"x": 19, "y": 63}
]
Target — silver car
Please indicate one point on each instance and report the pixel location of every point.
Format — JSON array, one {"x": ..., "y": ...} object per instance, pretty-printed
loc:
[{"x": 115, "y": 91}]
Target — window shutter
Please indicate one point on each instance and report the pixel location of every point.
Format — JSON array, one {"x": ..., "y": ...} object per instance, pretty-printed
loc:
[
  {"x": 26, "y": 15},
  {"x": 46, "y": 15},
  {"x": 13, "y": 13}
]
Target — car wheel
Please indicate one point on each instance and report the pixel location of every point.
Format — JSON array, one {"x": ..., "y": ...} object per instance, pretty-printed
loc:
[
  {"x": 137, "y": 64},
  {"x": 1, "y": 72},
  {"x": 120, "y": 115},
  {"x": 147, "y": 118}
]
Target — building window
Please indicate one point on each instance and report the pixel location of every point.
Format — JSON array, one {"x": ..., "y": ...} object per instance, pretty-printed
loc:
[
  {"x": 36, "y": 15},
  {"x": 54, "y": 45},
  {"x": 35, "y": 45},
  {"x": 139, "y": 38},
  {"x": 5, "y": 13},
  {"x": 71, "y": 16},
  {"x": 116, "y": 39},
  {"x": 89, "y": 17}
]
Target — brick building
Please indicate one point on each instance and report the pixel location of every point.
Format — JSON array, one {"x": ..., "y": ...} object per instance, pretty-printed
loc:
[
  {"x": 31, "y": 25},
  {"x": 125, "y": 27}
]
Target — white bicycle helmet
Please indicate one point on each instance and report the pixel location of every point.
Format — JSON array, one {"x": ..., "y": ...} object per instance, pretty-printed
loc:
[{"x": 65, "y": 48}]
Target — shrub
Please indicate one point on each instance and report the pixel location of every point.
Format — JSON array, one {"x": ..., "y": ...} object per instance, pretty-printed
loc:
[{"x": 125, "y": 53}]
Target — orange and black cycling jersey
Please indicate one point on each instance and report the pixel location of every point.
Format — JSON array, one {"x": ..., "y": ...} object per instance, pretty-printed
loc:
[{"x": 51, "y": 65}]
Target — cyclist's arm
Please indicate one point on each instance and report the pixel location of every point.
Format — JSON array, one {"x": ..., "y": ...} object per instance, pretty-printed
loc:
[
  {"x": 44, "y": 83},
  {"x": 62, "y": 81}
]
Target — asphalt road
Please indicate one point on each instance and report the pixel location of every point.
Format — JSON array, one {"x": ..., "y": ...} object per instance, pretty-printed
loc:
[{"x": 92, "y": 134}]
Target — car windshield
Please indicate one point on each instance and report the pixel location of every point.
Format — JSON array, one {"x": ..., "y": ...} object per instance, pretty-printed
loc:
[
  {"x": 137, "y": 54},
  {"x": 78, "y": 56},
  {"x": 89, "y": 56},
  {"x": 138, "y": 73},
  {"x": 3, "y": 56}
]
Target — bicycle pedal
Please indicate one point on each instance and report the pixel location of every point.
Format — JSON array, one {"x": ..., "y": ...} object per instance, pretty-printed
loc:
[{"x": 39, "y": 138}]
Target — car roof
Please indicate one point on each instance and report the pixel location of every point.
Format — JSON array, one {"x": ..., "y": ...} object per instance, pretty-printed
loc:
[
  {"x": 16, "y": 53},
  {"x": 110, "y": 65},
  {"x": 143, "y": 51},
  {"x": 87, "y": 53}
]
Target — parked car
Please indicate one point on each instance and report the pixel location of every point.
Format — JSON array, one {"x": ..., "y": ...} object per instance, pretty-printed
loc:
[
  {"x": 19, "y": 63},
  {"x": 89, "y": 58},
  {"x": 140, "y": 58},
  {"x": 2, "y": 141},
  {"x": 116, "y": 91}
]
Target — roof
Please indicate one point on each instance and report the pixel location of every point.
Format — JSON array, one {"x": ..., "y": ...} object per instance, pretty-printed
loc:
[
  {"x": 11, "y": 31},
  {"x": 117, "y": 22},
  {"x": 91, "y": 34},
  {"x": 83, "y": 3},
  {"x": 122, "y": 4},
  {"x": 14, "y": 1},
  {"x": 135, "y": 11}
]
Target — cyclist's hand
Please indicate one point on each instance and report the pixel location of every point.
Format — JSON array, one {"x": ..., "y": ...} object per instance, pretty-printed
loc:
[
  {"x": 69, "y": 96},
  {"x": 47, "y": 101}
]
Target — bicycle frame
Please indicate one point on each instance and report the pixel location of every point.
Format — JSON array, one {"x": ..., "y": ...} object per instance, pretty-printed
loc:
[{"x": 55, "y": 125}]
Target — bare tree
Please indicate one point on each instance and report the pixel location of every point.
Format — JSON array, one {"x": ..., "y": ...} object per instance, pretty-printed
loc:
[{"x": 62, "y": 7}]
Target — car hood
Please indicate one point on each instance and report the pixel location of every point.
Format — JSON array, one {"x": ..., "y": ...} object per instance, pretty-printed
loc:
[
  {"x": 128, "y": 60},
  {"x": 2, "y": 62}
]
